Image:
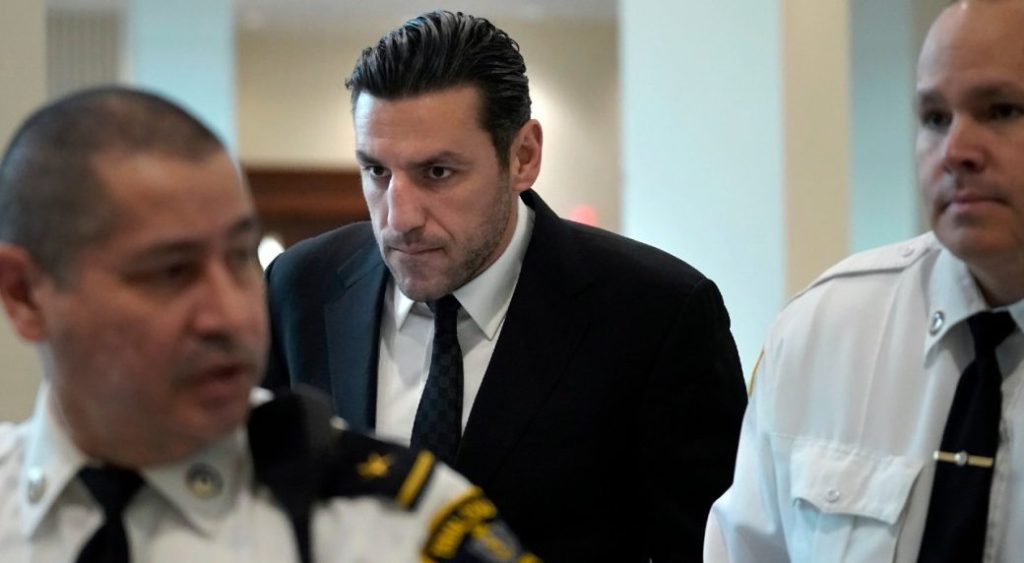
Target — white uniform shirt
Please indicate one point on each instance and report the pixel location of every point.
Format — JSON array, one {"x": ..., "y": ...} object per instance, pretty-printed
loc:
[
  {"x": 203, "y": 509},
  {"x": 848, "y": 406},
  {"x": 407, "y": 334}
]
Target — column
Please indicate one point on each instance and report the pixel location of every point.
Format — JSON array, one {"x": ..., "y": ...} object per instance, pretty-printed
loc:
[{"x": 186, "y": 50}]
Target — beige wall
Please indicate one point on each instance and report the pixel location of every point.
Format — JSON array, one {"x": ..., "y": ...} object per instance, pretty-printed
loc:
[
  {"x": 22, "y": 88},
  {"x": 293, "y": 107}
]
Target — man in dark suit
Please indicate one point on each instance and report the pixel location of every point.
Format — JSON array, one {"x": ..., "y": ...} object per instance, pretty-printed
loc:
[{"x": 595, "y": 378}]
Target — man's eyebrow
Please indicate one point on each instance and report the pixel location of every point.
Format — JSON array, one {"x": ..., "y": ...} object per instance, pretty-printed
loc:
[
  {"x": 248, "y": 224},
  {"x": 980, "y": 93},
  {"x": 245, "y": 226},
  {"x": 995, "y": 90},
  {"x": 364, "y": 158},
  {"x": 928, "y": 98},
  {"x": 442, "y": 157}
]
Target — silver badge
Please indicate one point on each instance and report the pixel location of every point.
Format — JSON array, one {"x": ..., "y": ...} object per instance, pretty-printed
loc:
[{"x": 204, "y": 481}]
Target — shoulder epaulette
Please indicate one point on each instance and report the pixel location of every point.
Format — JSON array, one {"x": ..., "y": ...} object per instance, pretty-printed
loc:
[
  {"x": 365, "y": 466},
  {"x": 890, "y": 258},
  {"x": 303, "y": 454}
]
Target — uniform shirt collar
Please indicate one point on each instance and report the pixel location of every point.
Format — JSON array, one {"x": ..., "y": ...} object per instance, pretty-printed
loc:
[
  {"x": 954, "y": 296},
  {"x": 486, "y": 297},
  {"x": 52, "y": 462}
]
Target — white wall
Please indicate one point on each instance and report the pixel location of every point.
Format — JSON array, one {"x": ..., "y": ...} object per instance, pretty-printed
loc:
[
  {"x": 22, "y": 89},
  {"x": 703, "y": 146},
  {"x": 293, "y": 108},
  {"x": 185, "y": 50}
]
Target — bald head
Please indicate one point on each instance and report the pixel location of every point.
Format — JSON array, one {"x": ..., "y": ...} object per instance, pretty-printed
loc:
[
  {"x": 970, "y": 143},
  {"x": 979, "y": 28},
  {"x": 52, "y": 201}
]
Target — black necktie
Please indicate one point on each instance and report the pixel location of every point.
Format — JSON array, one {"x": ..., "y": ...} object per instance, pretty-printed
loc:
[
  {"x": 113, "y": 488},
  {"x": 958, "y": 512},
  {"x": 438, "y": 425}
]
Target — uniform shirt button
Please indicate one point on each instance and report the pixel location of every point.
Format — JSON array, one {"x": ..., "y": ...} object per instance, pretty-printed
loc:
[
  {"x": 907, "y": 251},
  {"x": 832, "y": 495},
  {"x": 36, "y": 485},
  {"x": 938, "y": 319}
]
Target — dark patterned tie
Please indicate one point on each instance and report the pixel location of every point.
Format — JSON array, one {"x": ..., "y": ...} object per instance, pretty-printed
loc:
[
  {"x": 958, "y": 512},
  {"x": 113, "y": 488},
  {"x": 438, "y": 425}
]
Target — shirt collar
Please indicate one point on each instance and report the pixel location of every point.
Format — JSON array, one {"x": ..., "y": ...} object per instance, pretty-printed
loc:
[
  {"x": 954, "y": 296},
  {"x": 51, "y": 462},
  {"x": 202, "y": 487},
  {"x": 486, "y": 297},
  {"x": 205, "y": 486}
]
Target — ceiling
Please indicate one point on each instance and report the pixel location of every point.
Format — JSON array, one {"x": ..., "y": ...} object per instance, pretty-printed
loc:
[{"x": 315, "y": 14}]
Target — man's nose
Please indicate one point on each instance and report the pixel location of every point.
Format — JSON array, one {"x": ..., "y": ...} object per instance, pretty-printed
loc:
[
  {"x": 405, "y": 210},
  {"x": 228, "y": 299},
  {"x": 964, "y": 150}
]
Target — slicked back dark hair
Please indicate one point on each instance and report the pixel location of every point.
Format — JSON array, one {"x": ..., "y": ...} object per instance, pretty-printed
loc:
[
  {"x": 440, "y": 50},
  {"x": 52, "y": 199}
]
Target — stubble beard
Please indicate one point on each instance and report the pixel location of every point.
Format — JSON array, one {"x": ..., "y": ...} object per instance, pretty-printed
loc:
[{"x": 479, "y": 253}]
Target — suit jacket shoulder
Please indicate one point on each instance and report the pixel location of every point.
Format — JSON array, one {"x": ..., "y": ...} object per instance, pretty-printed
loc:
[
  {"x": 588, "y": 255},
  {"x": 318, "y": 256},
  {"x": 335, "y": 279}
]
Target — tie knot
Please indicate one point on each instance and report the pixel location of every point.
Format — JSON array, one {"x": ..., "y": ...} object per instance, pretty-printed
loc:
[
  {"x": 446, "y": 307},
  {"x": 989, "y": 330},
  {"x": 113, "y": 487}
]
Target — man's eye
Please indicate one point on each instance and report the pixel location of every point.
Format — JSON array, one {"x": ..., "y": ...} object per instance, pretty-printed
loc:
[
  {"x": 242, "y": 257},
  {"x": 375, "y": 171},
  {"x": 933, "y": 119},
  {"x": 1003, "y": 112},
  {"x": 438, "y": 172},
  {"x": 169, "y": 275}
]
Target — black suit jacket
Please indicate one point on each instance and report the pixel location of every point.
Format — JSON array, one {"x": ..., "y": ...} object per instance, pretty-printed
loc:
[{"x": 608, "y": 418}]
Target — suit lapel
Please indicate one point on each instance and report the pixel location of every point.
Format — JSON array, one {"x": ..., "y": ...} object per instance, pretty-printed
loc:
[
  {"x": 542, "y": 329},
  {"x": 352, "y": 322}
]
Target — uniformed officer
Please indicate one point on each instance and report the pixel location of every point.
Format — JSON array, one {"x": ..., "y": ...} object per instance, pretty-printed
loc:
[
  {"x": 885, "y": 421},
  {"x": 127, "y": 255}
]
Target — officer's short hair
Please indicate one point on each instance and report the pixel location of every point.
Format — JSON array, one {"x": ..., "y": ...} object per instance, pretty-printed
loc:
[
  {"x": 52, "y": 201},
  {"x": 440, "y": 50}
]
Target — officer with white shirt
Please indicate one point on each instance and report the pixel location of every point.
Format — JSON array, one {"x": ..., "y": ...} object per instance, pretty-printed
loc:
[
  {"x": 127, "y": 255},
  {"x": 885, "y": 421}
]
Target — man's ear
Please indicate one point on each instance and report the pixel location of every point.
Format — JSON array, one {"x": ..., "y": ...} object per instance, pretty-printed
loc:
[
  {"x": 524, "y": 163},
  {"x": 20, "y": 279}
]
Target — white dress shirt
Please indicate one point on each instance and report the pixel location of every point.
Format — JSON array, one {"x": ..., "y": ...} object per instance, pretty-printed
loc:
[
  {"x": 848, "y": 406},
  {"x": 205, "y": 508},
  {"x": 407, "y": 334}
]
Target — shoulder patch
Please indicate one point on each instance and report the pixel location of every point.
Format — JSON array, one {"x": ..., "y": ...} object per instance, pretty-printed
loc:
[
  {"x": 890, "y": 258},
  {"x": 361, "y": 465},
  {"x": 303, "y": 453},
  {"x": 468, "y": 529}
]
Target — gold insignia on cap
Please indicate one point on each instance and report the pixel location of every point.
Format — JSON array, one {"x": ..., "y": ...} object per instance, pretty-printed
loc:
[
  {"x": 204, "y": 481},
  {"x": 375, "y": 467},
  {"x": 36, "y": 485}
]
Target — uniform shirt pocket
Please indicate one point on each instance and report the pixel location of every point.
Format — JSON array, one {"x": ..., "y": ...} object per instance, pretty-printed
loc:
[{"x": 848, "y": 502}]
